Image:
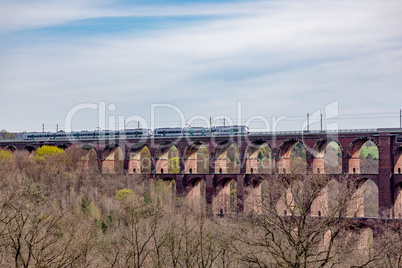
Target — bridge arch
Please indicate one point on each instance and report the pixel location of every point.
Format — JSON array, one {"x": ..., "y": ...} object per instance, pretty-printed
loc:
[
  {"x": 398, "y": 159},
  {"x": 398, "y": 201},
  {"x": 225, "y": 200},
  {"x": 29, "y": 148},
  {"x": 84, "y": 156},
  {"x": 327, "y": 156},
  {"x": 357, "y": 163},
  {"x": 359, "y": 240},
  {"x": 326, "y": 203},
  {"x": 11, "y": 148},
  {"x": 165, "y": 190},
  {"x": 292, "y": 161},
  {"x": 168, "y": 159},
  {"x": 196, "y": 158},
  {"x": 259, "y": 157},
  {"x": 140, "y": 159},
  {"x": 196, "y": 192},
  {"x": 227, "y": 158},
  {"x": 365, "y": 200},
  {"x": 63, "y": 146},
  {"x": 253, "y": 196},
  {"x": 112, "y": 159}
]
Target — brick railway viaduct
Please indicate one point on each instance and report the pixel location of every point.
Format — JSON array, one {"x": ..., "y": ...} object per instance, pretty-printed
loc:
[{"x": 386, "y": 184}]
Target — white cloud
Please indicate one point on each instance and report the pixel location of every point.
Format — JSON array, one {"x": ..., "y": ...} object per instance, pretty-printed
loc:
[{"x": 282, "y": 57}]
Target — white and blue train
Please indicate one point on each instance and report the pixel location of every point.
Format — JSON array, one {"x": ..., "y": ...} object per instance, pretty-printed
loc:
[
  {"x": 138, "y": 133},
  {"x": 201, "y": 131},
  {"x": 85, "y": 134}
]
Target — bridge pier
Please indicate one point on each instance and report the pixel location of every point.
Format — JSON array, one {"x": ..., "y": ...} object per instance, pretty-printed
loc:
[{"x": 385, "y": 172}]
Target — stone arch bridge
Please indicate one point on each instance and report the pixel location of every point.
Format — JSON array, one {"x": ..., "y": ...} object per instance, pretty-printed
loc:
[{"x": 214, "y": 174}]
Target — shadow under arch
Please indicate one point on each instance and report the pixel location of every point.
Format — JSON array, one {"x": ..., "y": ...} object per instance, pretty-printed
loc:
[
  {"x": 227, "y": 158},
  {"x": 259, "y": 157},
  {"x": 196, "y": 158}
]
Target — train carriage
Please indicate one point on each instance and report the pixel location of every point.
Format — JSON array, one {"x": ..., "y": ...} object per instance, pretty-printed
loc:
[{"x": 168, "y": 132}]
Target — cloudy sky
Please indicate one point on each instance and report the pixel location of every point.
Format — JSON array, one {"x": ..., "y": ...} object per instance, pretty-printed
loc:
[{"x": 173, "y": 59}]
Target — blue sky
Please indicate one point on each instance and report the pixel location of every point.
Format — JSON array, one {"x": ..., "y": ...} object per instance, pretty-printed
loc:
[{"x": 276, "y": 58}]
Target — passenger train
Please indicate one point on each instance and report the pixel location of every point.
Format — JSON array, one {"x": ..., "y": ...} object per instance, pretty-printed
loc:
[{"x": 138, "y": 133}]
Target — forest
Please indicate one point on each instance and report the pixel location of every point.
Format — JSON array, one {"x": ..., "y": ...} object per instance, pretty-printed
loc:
[{"x": 56, "y": 211}]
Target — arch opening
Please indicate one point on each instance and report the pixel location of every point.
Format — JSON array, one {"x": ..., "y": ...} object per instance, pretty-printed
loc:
[
  {"x": 227, "y": 158},
  {"x": 253, "y": 196},
  {"x": 259, "y": 158},
  {"x": 398, "y": 160},
  {"x": 11, "y": 148},
  {"x": 196, "y": 193},
  {"x": 332, "y": 158},
  {"x": 113, "y": 160},
  {"x": 226, "y": 196},
  {"x": 165, "y": 192},
  {"x": 30, "y": 148},
  {"x": 86, "y": 156},
  {"x": 298, "y": 159},
  {"x": 398, "y": 200},
  {"x": 363, "y": 153},
  {"x": 168, "y": 158},
  {"x": 364, "y": 202},
  {"x": 326, "y": 203},
  {"x": 196, "y": 158},
  {"x": 140, "y": 160}
]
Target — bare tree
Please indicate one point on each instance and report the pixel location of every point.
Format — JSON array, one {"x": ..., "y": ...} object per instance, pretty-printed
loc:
[{"x": 302, "y": 223}]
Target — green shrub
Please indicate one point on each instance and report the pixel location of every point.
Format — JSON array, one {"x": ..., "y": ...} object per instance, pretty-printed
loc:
[
  {"x": 48, "y": 150},
  {"x": 5, "y": 155},
  {"x": 123, "y": 194}
]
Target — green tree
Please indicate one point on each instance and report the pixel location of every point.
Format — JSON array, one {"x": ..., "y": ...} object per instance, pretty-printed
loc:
[{"x": 124, "y": 194}]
